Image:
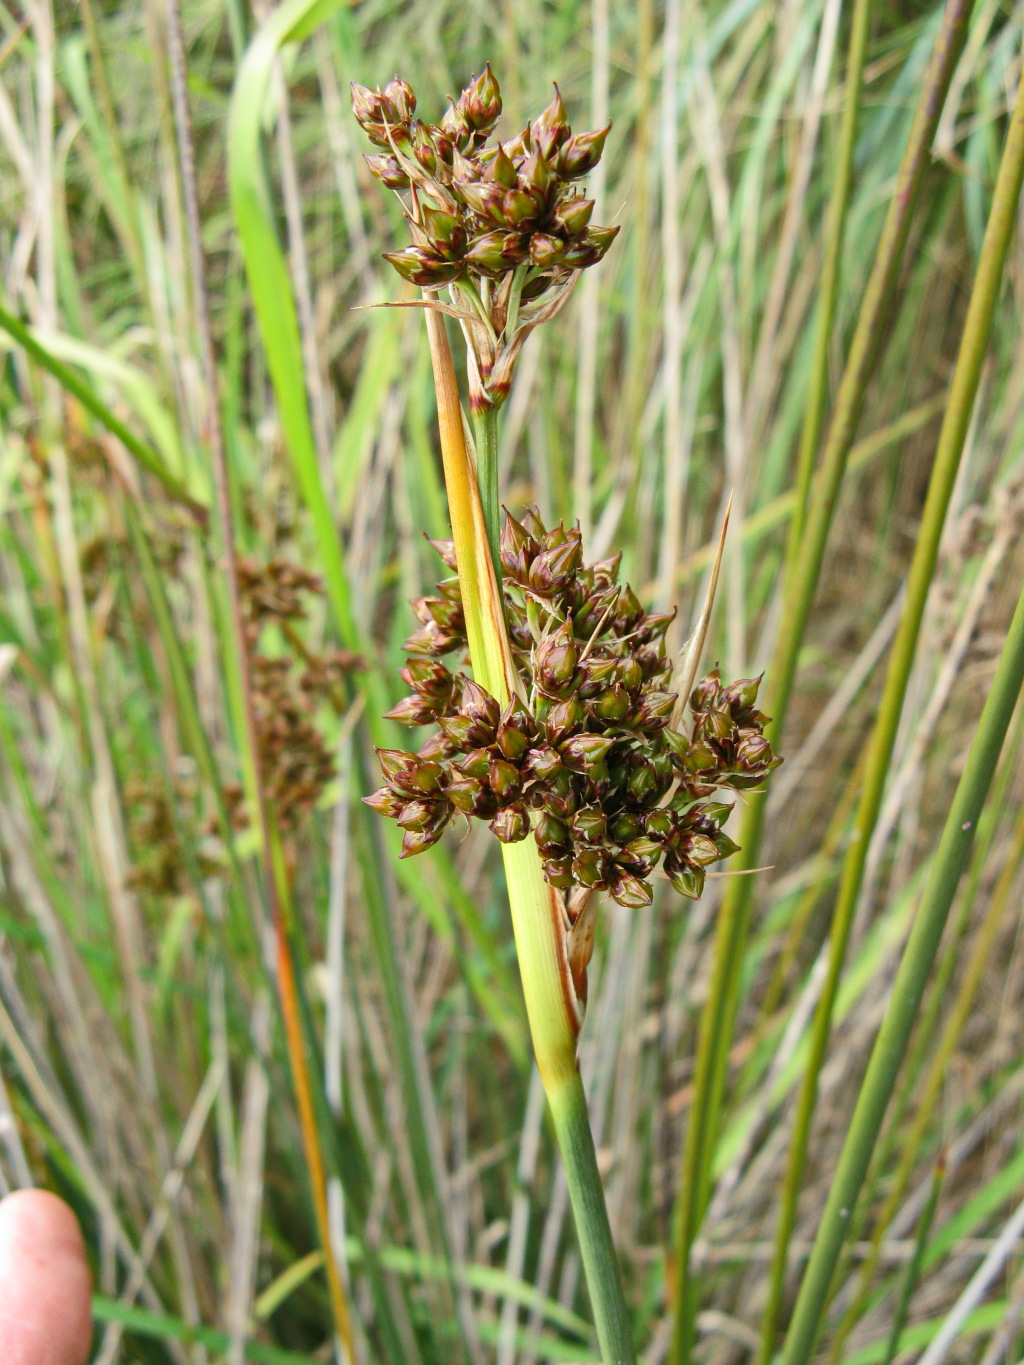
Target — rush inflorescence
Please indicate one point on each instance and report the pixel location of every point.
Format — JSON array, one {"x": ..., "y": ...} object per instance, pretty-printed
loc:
[
  {"x": 591, "y": 753},
  {"x": 506, "y": 225}
]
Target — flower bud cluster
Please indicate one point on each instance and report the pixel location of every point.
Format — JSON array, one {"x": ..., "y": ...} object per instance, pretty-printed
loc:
[
  {"x": 506, "y": 221},
  {"x": 588, "y": 757}
]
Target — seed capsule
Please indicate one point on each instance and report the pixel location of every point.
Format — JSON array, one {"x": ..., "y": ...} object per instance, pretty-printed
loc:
[
  {"x": 504, "y": 780},
  {"x": 551, "y": 833},
  {"x": 590, "y": 868},
  {"x": 581, "y": 153},
  {"x": 590, "y": 824},
  {"x": 564, "y": 719},
  {"x": 582, "y": 753},
  {"x": 511, "y": 824},
  {"x": 414, "y": 710},
  {"x": 555, "y": 660},
  {"x": 688, "y": 881},
  {"x": 480, "y": 102},
  {"x": 385, "y": 802},
  {"x": 631, "y": 892}
]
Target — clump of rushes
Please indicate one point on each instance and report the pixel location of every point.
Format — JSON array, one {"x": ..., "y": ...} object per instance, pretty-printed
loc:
[
  {"x": 569, "y": 739},
  {"x": 588, "y": 758}
]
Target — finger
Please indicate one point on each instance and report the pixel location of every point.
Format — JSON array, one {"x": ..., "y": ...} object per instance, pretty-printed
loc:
[{"x": 45, "y": 1312}]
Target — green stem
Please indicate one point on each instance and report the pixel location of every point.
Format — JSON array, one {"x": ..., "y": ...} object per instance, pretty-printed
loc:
[
  {"x": 963, "y": 390},
  {"x": 538, "y": 914},
  {"x": 485, "y": 434},
  {"x": 576, "y": 1143},
  {"x": 907, "y": 992},
  {"x": 910, "y": 1279},
  {"x": 810, "y": 436},
  {"x": 719, "y": 1012},
  {"x": 828, "y": 287}
]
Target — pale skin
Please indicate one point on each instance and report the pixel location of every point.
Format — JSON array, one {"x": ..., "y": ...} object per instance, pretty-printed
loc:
[{"x": 45, "y": 1315}]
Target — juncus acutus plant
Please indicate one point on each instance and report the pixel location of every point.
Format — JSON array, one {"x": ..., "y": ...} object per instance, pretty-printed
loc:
[{"x": 571, "y": 740}]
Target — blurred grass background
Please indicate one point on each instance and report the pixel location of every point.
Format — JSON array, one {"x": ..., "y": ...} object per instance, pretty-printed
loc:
[{"x": 143, "y": 1062}]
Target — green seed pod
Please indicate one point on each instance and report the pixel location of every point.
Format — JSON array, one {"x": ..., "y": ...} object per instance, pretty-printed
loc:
[
  {"x": 550, "y": 129},
  {"x": 480, "y": 102},
  {"x": 414, "y": 842},
  {"x": 613, "y": 704},
  {"x": 551, "y": 833},
  {"x": 406, "y": 772},
  {"x": 385, "y": 802},
  {"x": 501, "y": 169},
  {"x": 742, "y": 694},
  {"x": 590, "y": 868},
  {"x": 598, "y": 241},
  {"x": 564, "y": 719},
  {"x": 706, "y": 693},
  {"x": 558, "y": 872},
  {"x": 625, "y": 827},
  {"x": 631, "y": 892},
  {"x": 642, "y": 783},
  {"x": 546, "y": 251},
  {"x": 491, "y": 253},
  {"x": 518, "y": 549},
  {"x": 700, "y": 849},
  {"x": 519, "y": 210},
  {"x": 542, "y": 764},
  {"x": 464, "y": 732},
  {"x": 387, "y": 170},
  {"x": 589, "y": 824},
  {"x": 481, "y": 707},
  {"x": 504, "y": 780},
  {"x": 719, "y": 725},
  {"x": 555, "y": 660},
  {"x": 572, "y": 216},
  {"x": 476, "y": 763},
  {"x": 400, "y": 96},
  {"x": 429, "y": 678},
  {"x": 688, "y": 881},
  {"x": 553, "y": 569},
  {"x": 511, "y": 824},
  {"x": 414, "y": 265},
  {"x": 422, "y": 816},
  {"x": 581, "y": 153},
  {"x": 465, "y": 793},
  {"x": 582, "y": 753},
  {"x": 630, "y": 674},
  {"x": 413, "y": 711}
]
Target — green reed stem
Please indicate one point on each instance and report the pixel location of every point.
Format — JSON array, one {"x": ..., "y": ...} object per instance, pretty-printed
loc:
[
  {"x": 538, "y": 917},
  {"x": 913, "y": 1272},
  {"x": 828, "y": 288},
  {"x": 911, "y": 1140},
  {"x": 719, "y": 1013},
  {"x": 485, "y": 434},
  {"x": 600, "y": 1263},
  {"x": 963, "y": 389},
  {"x": 908, "y": 989},
  {"x": 810, "y": 436}
]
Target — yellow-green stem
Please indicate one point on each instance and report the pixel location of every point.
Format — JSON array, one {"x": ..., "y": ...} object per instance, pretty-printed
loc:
[{"x": 538, "y": 916}]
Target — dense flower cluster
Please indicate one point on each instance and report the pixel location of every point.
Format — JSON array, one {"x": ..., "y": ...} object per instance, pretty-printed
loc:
[
  {"x": 503, "y": 222},
  {"x": 494, "y": 206},
  {"x": 591, "y": 755}
]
